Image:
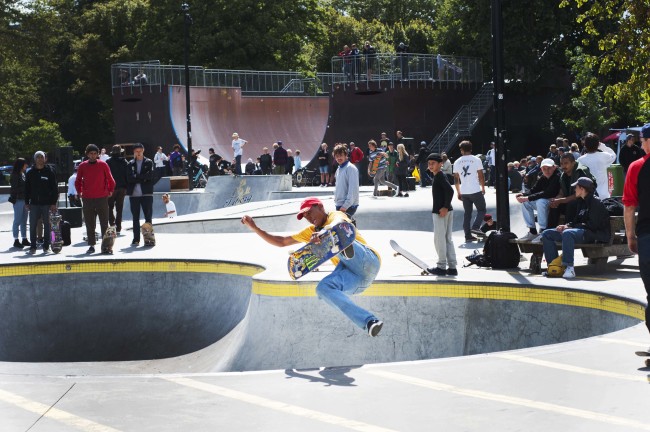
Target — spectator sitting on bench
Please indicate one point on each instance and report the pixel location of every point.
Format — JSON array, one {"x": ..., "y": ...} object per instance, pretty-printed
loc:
[
  {"x": 589, "y": 225},
  {"x": 539, "y": 198},
  {"x": 565, "y": 203}
]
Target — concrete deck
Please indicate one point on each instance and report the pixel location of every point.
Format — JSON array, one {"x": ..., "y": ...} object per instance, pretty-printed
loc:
[{"x": 209, "y": 280}]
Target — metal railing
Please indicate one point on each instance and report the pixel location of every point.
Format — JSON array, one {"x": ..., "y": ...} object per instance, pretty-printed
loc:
[
  {"x": 465, "y": 120},
  {"x": 384, "y": 69},
  {"x": 407, "y": 70}
]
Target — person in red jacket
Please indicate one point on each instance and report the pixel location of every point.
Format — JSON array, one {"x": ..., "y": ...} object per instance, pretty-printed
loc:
[
  {"x": 356, "y": 158},
  {"x": 94, "y": 185}
]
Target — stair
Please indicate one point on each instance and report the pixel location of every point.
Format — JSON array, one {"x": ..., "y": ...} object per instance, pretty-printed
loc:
[{"x": 465, "y": 120}]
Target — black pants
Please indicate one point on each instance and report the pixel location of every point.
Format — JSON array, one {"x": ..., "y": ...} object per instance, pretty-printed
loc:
[
  {"x": 116, "y": 201},
  {"x": 146, "y": 204},
  {"x": 401, "y": 182}
]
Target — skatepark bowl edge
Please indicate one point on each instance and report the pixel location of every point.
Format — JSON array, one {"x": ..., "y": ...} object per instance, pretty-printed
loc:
[{"x": 181, "y": 316}]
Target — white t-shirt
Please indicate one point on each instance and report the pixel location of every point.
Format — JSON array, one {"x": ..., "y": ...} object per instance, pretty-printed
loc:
[
  {"x": 170, "y": 206},
  {"x": 491, "y": 157},
  {"x": 237, "y": 146},
  {"x": 159, "y": 158},
  {"x": 467, "y": 168},
  {"x": 597, "y": 163}
]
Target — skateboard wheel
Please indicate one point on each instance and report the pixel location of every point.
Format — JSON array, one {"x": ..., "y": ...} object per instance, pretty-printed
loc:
[
  {"x": 298, "y": 274},
  {"x": 395, "y": 254},
  {"x": 335, "y": 249},
  {"x": 423, "y": 273},
  {"x": 647, "y": 363}
]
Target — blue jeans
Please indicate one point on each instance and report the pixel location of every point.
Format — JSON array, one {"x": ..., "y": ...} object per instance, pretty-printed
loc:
[
  {"x": 542, "y": 206},
  {"x": 643, "y": 242},
  {"x": 20, "y": 219},
  {"x": 569, "y": 237},
  {"x": 351, "y": 276}
]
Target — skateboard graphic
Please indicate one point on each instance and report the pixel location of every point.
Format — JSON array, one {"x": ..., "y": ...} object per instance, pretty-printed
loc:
[
  {"x": 644, "y": 354},
  {"x": 109, "y": 240},
  {"x": 148, "y": 234},
  {"x": 56, "y": 241},
  {"x": 312, "y": 255},
  {"x": 409, "y": 256},
  {"x": 374, "y": 166}
]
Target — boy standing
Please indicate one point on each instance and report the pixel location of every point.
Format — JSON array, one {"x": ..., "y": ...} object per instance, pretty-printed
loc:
[{"x": 442, "y": 193}]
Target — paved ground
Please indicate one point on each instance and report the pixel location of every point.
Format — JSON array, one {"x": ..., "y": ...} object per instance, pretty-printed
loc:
[{"x": 594, "y": 384}]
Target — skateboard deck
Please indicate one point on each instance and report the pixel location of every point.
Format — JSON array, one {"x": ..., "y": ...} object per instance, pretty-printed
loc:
[
  {"x": 109, "y": 239},
  {"x": 148, "y": 234},
  {"x": 56, "y": 240},
  {"x": 409, "y": 256},
  {"x": 312, "y": 255},
  {"x": 374, "y": 166}
]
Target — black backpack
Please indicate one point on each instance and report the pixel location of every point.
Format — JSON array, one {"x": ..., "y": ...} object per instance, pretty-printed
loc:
[
  {"x": 614, "y": 207},
  {"x": 498, "y": 252}
]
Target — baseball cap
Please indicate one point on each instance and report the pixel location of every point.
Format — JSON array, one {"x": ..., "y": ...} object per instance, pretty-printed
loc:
[
  {"x": 423, "y": 143},
  {"x": 487, "y": 217},
  {"x": 548, "y": 162},
  {"x": 645, "y": 131},
  {"x": 585, "y": 182},
  {"x": 435, "y": 157},
  {"x": 306, "y": 205}
]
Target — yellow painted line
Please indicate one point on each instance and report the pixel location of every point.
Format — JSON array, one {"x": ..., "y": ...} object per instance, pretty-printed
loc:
[
  {"x": 171, "y": 266},
  {"x": 279, "y": 406},
  {"x": 64, "y": 417},
  {"x": 472, "y": 291},
  {"x": 512, "y": 400},
  {"x": 569, "y": 368}
]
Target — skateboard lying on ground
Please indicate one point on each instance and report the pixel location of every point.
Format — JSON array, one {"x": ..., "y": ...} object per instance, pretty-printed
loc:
[
  {"x": 644, "y": 354},
  {"x": 56, "y": 240},
  {"x": 147, "y": 234},
  {"x": 109, "y": 240},
  {"x": 312, "y": 255},
  {"x": 409, "y": 256}
]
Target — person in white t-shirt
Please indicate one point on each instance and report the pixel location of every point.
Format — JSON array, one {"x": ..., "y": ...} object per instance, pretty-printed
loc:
[
  {"x": 170, "y": 207},
  {"x": 159, "y": 160},
  {"x": 598, "y": 162},
  {"x": 237, "y": 147},
  {"x": 103, "y": 156},
  {"x": 492, "y": 162},
  {"x": 470, "y": 189}
]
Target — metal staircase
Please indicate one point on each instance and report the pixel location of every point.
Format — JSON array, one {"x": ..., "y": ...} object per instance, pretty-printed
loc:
[{"x": 464, "y": 121}]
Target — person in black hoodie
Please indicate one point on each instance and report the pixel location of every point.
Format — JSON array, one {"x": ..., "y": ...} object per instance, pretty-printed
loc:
[
  {"x": 41, "y": 196},
  {"x": 589, "y": 225},
  {"x": 118, "y": 166},
  {"x": 140, "y": 179},
  {"x": 442, "y": 193}
]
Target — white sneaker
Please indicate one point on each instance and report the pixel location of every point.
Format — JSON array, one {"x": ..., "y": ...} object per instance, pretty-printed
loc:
[
  {"x": 529, "y": 236},
  {"x": 537, "y": 239},
  {"x": 569, "y": 273}
]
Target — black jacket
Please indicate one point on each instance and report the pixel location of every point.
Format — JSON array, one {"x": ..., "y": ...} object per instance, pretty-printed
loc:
[
  {"x": 118, "y": 166},
  {"x": 592, "y": 216},
  {"x": 145, "y": 178},
  {"x": 17, "y": 182},
  {"x": 628, "y": 155},
  {"x": 41, "y": 187},
  {"x": 442, "y": 193},
  {"x": 546, "y": 188}
]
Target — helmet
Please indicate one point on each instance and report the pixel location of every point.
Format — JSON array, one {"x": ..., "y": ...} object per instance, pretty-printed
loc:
[{"x": 555, "y": 268}]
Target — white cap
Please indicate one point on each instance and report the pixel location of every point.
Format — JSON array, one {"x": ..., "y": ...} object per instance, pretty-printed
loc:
[{"x": 548, "y": 162}]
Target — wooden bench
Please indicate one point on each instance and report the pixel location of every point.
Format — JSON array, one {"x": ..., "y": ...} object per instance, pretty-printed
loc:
[{"x": 596, "y": 253}]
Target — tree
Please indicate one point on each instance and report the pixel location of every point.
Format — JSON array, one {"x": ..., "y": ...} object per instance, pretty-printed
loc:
[
  {"x": 614, "y": 34},
  {"x": 45, "y": 136}
]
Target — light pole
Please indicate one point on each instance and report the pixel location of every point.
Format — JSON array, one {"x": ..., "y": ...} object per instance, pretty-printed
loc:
[
  {"x": 501, "y": 164},
  {"x": 185, "y": 8}
]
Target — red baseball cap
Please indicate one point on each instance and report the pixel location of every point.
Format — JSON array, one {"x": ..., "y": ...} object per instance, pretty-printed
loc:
[{"x": 307, "y": 204}]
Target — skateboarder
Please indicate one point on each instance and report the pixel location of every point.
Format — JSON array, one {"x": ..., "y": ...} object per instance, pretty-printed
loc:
[
  {"x": 443, "y": 220},
  {"x": 355, "y": 270},
  {"x": 140, "y": 177}
]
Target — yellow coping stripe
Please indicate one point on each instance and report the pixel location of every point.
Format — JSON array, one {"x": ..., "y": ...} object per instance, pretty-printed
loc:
[
  {"x": 129, "y": 266},
  {"x": 479, "y": 291}
]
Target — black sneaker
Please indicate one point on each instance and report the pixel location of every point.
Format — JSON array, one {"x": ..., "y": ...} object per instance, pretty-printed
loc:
[
  {"x": 18, "y": 244},
  {"x": 32, "y": 250},
  {"x": 437, "y": 271},
  {"x": 348, "y": 252},
  {"x": 91, "y": 250},
  {"x": 26, "y": 242},
  {"x": 470, "y": 239},
  {"x": 46, "y": 247},
  {"x": 374, "y": 327},
  {"x": 452, "y": 272},
  {"x": 135, "y": 242}
]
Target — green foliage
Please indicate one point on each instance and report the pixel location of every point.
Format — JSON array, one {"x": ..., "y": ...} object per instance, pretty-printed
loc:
[{"x": 44, "y": 136}]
